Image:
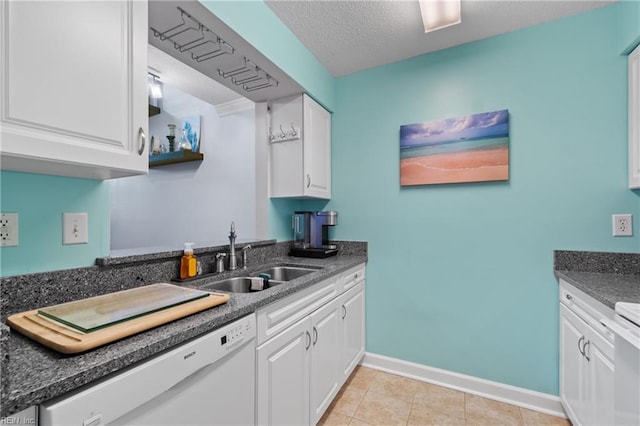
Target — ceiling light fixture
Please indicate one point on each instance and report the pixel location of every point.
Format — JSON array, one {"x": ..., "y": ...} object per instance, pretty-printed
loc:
[{"x": 438, "y": 14}]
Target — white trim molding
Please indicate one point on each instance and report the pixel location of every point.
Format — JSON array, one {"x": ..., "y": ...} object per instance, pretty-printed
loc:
[
  {"x": 532, "y": 400},
  {"x": 233, "y": 107}
]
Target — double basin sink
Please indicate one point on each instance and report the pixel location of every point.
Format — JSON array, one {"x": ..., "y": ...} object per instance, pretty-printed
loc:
[{"x": 279, "y": 275}]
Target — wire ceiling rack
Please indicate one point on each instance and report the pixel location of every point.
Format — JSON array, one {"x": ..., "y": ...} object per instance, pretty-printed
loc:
[{"x": 190, "y": 36}]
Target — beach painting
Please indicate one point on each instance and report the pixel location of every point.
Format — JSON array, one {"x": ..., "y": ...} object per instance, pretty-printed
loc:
[{"x": 472, "y": 148}]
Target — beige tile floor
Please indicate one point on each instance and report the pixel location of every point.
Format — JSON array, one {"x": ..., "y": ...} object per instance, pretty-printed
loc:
[{"x": 372, "y": 397}]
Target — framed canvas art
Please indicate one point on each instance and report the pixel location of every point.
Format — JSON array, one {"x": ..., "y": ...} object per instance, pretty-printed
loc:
[{"x": 471, "y": 148}]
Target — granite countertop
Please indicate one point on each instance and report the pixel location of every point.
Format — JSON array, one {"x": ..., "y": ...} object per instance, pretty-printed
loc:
[
  {"x": 607, "y": 277},
  {"x": 37, "y": 374}
]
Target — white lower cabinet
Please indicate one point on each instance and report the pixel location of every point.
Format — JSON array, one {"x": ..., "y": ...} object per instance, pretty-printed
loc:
[
  {"x": 298, "y": 370},
  {"x": 283, "y": 377},
  {"x": 325, "y": 365},
  {"x": 586, "y": 365},
  {"x": 353, "y": 327},
  {"x": 302, "y": 367}
]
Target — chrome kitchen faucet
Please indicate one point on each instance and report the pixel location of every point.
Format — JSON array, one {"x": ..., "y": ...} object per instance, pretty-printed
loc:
[{"x": 233, "y": 263}]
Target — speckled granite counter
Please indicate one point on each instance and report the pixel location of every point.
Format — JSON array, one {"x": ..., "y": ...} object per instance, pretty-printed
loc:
[
  {"x": 607, "y": 277},
  {"x": 33, "y": 373}
]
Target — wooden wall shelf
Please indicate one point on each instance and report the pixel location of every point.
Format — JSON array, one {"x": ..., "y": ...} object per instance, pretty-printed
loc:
[
  {"x": 153, "y": 110},
  {"x": 174, "y": 157}
]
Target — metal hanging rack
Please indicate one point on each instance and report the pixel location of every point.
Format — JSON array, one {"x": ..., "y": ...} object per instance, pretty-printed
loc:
[{"x": 193, "y": 37}]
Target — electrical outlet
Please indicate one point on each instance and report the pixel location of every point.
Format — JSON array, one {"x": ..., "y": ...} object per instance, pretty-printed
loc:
[
  {"x": 8, "y": 229},
  {"x": 75, "y": 229},
  {"x": 622, "y": 225}
]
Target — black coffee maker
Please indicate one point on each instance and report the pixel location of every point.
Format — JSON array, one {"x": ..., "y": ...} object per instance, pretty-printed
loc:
[{"x": 310, "y": 234}]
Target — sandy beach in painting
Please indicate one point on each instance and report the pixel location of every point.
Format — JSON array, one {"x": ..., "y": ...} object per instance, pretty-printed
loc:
[{"x": 456, "y": 167}]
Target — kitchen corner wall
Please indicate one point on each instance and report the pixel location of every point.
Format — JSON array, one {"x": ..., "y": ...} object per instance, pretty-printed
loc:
[
  {"x": 460, "y": 276},
  {"x": 40, "y": 201}
]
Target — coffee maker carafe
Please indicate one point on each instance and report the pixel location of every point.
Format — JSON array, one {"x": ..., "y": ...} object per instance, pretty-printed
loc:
[{"x": 310, "y": 233}]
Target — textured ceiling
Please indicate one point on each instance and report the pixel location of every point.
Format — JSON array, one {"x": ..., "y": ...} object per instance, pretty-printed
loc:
[{"x": 350, "y": 36}]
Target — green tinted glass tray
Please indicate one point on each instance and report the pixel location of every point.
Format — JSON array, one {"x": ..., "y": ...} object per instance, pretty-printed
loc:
[{"x": 98, "y": 312}]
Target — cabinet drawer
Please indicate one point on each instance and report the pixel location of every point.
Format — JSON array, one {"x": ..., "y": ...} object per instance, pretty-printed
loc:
[
  {"x": 276, "y": 317},
  {"x": 352, "y": 277},
  {"x": 587, "y": 308}
]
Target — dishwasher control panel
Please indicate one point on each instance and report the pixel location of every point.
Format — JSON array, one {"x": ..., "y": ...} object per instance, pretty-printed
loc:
[{"x": 238, "y": 333}]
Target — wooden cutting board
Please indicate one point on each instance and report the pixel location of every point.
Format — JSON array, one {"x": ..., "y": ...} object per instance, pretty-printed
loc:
[{"x": 88, "y": 323}]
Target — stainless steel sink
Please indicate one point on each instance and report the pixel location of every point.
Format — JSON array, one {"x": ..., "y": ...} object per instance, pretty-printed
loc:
[
  {"x": 235, "y": 285},
  {"x": 286, "y": 273}
]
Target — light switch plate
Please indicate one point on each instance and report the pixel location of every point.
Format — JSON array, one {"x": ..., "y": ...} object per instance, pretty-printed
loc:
[
  {"x": 75, "y": 228},
  {"x": 8, "y": 229}
]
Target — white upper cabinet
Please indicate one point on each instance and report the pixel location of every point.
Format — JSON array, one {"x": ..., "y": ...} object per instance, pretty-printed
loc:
[
  {"x": 634, "y": 119},
  {"x": 300, "y": 149},
  {"x": 74, "y": 88}
]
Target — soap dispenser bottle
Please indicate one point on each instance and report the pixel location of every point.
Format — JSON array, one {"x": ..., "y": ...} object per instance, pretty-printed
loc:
[{"x": 188, "y": 263}]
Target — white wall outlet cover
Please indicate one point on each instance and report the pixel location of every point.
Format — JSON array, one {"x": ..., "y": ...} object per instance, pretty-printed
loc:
[
  {"x": 622, "y": 225},
  {"x": 8, "y": 229},
  {"x": 75, "y": 228}
]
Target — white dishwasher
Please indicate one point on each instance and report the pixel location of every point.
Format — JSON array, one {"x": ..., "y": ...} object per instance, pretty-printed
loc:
[{"x": 207, "y": 381}]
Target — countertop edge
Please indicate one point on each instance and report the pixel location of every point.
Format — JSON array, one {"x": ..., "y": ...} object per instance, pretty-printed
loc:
[{"x": 606, "y": 288}]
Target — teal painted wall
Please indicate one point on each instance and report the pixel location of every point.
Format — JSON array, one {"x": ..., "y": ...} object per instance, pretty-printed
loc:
[
  {"x": 460, "y": 276},
  {"x": 256, "y": 23},
  {"x": 40, "y": 201},
  {"x": 628, "y": 25}
]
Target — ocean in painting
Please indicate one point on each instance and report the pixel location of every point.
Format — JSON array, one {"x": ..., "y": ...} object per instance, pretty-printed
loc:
[
  {"x": 471, "y": 148},
  {"x": 454, "y": 146}
]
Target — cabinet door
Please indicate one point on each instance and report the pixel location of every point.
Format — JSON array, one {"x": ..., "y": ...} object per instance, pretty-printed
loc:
[
  {"x": 573, "y": 372},
  {"x": 325, "y": 365},
  {"x": 317, "y": 150},
  {"x": 74, "y": 88},
  {"x": 634, "y": 118},
  {"x": 353, "y": 329},
  {"x": 283, "y": 377},
  {"x": 601, "y": 386},
  {"x": 286, "y": 168}
]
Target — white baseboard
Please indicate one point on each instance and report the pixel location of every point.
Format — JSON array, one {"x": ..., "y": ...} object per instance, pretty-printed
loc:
[{"x": 537, "y": 401}]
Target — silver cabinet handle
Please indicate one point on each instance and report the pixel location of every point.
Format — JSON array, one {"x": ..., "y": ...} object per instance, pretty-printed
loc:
[
  {"x": 308, "y": 341},
  {"x": 344, "y": 312},
  {"x": 580, "y": 346},
  {"x": 568, "y": 296},
  {"x": 141, "y": 137},
  {"x": 315, "y": 336},
  {"x": 584, "y": 350},
  {"x": 308, "y": 180}
]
